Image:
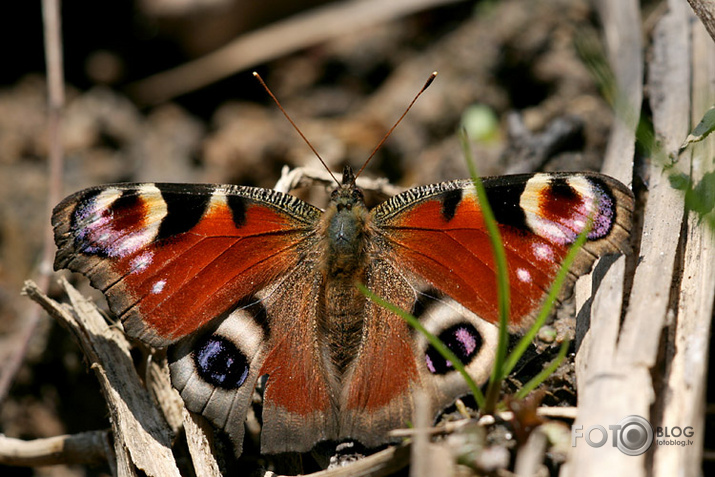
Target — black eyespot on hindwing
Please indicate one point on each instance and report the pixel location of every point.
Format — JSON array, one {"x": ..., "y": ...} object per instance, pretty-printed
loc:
[
  {"x": 462, "y": 339},
  {"x": 220, "y": 363}
]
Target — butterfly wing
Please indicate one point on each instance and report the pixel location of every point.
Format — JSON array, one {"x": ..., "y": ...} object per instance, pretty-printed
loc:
[
  {"x": 216, "y": 371},
  {"x": 437, "y": 232},
  {"x": 434, "y": 236},
  {"x": 170, "y": 258},
  {"x": 394, "y": 360}
]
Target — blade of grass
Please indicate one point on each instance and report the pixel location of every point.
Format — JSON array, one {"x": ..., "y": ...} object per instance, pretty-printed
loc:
[
  {"x": 545, "y": 373},
  {"x": 433, "y": 340},
  {"x": 549, "y": 302},
  {"x": 503, "y": 298}
]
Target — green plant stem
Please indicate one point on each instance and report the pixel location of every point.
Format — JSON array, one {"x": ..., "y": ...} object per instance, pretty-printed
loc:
[
  {"x": 545, "y": 373},
  {"x": 433, "y": 340},
  {"x": 548, "y": 305},
  {"x": 494, "y": 388}
]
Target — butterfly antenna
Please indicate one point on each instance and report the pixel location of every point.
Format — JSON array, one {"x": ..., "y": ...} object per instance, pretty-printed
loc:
[
  {"x": 260, "y": 80},
  {"x": 379, "y": 145}
]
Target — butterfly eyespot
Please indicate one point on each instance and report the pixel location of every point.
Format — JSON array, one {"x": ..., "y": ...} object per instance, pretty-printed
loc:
[
  {"x": 220, "y": 363},
  {"x": 462, "y": 339}
]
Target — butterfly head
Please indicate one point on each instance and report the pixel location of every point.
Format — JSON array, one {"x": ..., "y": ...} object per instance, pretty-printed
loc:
[{"x": 347, "y": 195}]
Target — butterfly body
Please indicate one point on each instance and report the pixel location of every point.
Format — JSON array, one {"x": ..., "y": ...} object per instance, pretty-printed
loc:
[{"x": 244, "y": 283}]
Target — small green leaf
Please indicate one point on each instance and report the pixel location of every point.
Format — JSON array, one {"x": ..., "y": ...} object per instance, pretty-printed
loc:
[
  {"x": 701, "y": 131},
  {"x": 679, "y": 181},
  {"x": 701, "y": 198}
]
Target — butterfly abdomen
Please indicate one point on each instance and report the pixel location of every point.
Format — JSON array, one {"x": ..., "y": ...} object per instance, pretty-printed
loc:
[{"x": 341, "y": 324}]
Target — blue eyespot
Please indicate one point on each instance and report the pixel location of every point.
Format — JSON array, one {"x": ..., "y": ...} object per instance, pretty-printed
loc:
[{"x": 220, "y": 363}]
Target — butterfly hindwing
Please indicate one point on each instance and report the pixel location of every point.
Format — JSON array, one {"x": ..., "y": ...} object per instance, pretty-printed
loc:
[
  {"x": 172, "y": 257},
  {"x": 395, "y": 361},
  {"x": 299, "y": 402},
  {"x": 216, "y": 371}
]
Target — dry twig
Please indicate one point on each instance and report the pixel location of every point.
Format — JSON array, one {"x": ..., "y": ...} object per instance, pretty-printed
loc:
[
  {"x": 85, "y": 448},
  {"x": 273, "y": 41}
]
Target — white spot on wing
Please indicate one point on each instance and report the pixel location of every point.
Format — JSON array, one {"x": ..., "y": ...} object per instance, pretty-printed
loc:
[
  {"x": 141, "y": 262},
  {"x": 523, "y": 275},
  {"x": 218, "y": 200},
  {"x": 543, "y": 252},
  {"x": 158, "y": 287}
]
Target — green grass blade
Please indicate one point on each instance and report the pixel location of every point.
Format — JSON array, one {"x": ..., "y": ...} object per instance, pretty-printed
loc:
[
  {"x": 441, "y": 348},
  {"x": 545, "y": 373},
  {"x": 548, "y": 305},
  {"x": 502, "y": 279}
]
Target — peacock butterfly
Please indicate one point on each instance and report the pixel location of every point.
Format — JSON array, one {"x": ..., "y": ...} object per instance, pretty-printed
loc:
[{"x": 243, "y": 283}]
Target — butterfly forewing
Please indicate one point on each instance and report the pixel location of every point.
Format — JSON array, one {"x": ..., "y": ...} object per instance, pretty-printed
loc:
[
  {"x": 437, "y": 232},
  {"x": 170, "y": 258}
]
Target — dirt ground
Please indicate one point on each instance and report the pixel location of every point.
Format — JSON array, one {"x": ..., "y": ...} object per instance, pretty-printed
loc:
[{"x": 517, "y": 66}]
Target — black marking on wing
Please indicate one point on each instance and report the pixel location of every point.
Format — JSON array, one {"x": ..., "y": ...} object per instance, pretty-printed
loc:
[
  {"x": 504, "y": 197},
  {"x": 561, "y": 189},
  {"x": 450, "y": 201},
  {"x": 184, "y": 211},
  {"x": 237, "y": 204}
]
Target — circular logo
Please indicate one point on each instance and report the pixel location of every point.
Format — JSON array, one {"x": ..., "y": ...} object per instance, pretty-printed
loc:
[{"x": 635, "y": 436}]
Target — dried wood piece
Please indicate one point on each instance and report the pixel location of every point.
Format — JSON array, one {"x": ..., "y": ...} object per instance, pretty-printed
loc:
[
  {"x": 705, "y": 9},
  {"x": 650, "y": 296},
  {"x": 381, "y": 464},
  {"x": 200, "y": 448},
  {"x": 621, "y": 22},
  {"x": 141, "y": 435},
  {"x": 683, "y": 404},
  {"x": 292, "y": 179},
  {"x": 603, "y": 381}
]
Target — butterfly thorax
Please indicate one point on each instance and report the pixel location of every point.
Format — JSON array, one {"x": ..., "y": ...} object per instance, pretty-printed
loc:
[{"x": 345, "y": 229}]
